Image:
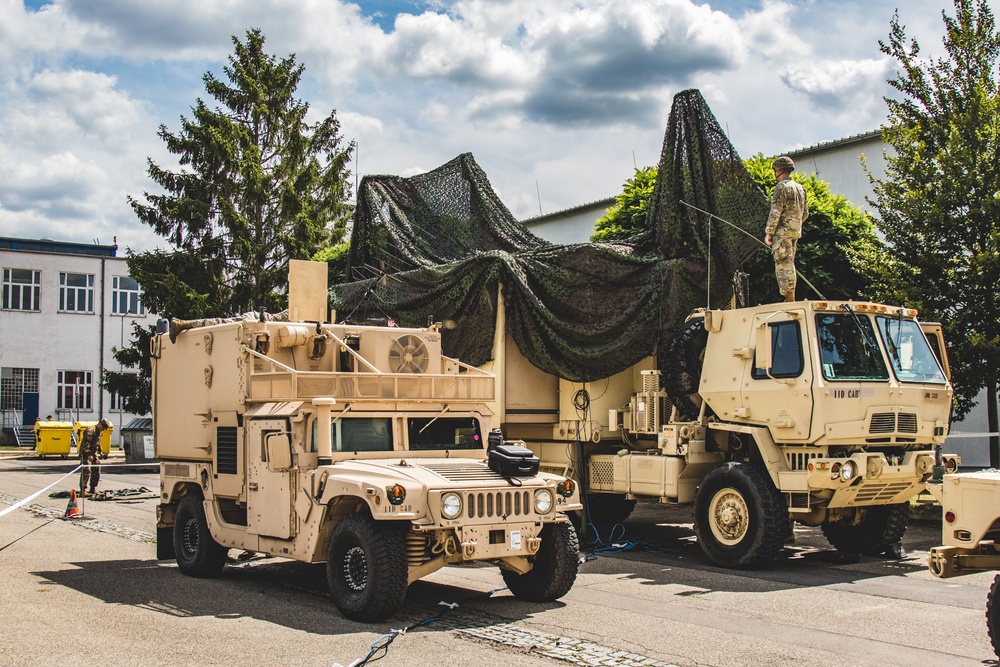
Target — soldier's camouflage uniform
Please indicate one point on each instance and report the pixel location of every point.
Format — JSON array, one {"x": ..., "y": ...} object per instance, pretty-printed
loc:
[
  {"x": 788, "y": 211},
  {"x": 90, "y": 454}
]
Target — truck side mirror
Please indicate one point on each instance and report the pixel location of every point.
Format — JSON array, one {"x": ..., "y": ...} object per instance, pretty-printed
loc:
[
  {"x": 279, "y": 452},
  {"x": 762, "y": 343}
]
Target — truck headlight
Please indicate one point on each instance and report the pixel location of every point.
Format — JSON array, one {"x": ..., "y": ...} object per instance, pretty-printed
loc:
[
  {"x": 847, "y": 471},
  {"x": 543, "y": 501},
  {"x": 451, "y": 505}
]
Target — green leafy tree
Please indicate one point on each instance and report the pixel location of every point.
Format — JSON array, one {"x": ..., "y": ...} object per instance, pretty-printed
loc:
[
  {"x": 834, "y": 231},
  {"x": 939, "y": 202},
  {"x": 257, "y": 186},
  {"x": 627, "y": 216}
]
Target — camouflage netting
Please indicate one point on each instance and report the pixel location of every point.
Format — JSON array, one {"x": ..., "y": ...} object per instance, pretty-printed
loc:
[{"x": 582, "y": 312}]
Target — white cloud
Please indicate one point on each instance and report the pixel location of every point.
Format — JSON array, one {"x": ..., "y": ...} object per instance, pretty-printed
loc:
[{"x": 838, "y": 84}]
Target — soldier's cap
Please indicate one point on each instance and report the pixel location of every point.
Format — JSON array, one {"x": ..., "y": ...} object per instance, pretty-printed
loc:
[
  {"x": 783, "y": 163},
  {"x": 104, "y": 423}
]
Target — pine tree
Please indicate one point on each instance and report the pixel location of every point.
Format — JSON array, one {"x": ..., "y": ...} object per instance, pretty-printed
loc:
[{"x": 257, "y": 186}]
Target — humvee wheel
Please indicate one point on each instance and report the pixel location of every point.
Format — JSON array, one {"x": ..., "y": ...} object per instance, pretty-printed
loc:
[
  {"x": 554, "y": 569},
  {"x": 198, "y": 555},
  {"x": 739, "y": 517},
  {"x": 879, "y": 528},
  {"x": 993, "y": 615},
  {"x": 366, "y": 568}
]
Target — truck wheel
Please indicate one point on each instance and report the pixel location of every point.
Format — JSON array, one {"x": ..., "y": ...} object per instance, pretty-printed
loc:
[
  {"x": 879, "y": 528},
  {"x": 554, "y": 566},
  {"x": 198, "y": 555},
  {"x": 684, "y": 360},
  {"x": 993, "y": 615},
  {"x": 739, "y": 517},
  {"x": 366, "y": 568},
  {"x": 605, "y": 511}
]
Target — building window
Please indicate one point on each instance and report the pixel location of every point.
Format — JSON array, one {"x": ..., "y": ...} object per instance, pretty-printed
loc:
[
  {"x": 75, "y": 392},
  {"x": 126, "y": 297},
  {"x": 76, "y": 292},
  {"x": 14, "y": 384},
  {"x": 116, "y": 399},
  {"x": 21, "y": 289}
]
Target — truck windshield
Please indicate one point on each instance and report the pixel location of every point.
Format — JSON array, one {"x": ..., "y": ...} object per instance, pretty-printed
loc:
[
  {"x": 357, "y": 434},
  {"x": 443, "y": 433},
  {"x": 848, "y": 349},
  {"x": 912, "y": 358}
]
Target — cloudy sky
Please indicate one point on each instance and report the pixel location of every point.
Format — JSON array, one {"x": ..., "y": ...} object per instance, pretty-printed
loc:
[{"x": 557, "y": 99}]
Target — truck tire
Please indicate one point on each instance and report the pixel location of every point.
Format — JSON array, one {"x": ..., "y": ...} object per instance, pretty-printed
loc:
[
  {"x": 993, "y": 615},
  {"x": 684, "y": 360},
  {"x": 879, "y": 528},
  {"x": 366, "y": 568},
  {"x": 740, "y": 518},
  {"x": 554, "y": 566},
  {"x": 605, "y": 511},
  {"x": 198, "y": 555}
]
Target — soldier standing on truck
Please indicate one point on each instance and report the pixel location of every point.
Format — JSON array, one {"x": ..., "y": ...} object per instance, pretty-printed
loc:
[
  {"x": 789, "y": 210},
  {"x": 90, "y": 453}
]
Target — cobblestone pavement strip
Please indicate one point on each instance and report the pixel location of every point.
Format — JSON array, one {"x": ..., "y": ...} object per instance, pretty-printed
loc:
[{"x": 83, "y": 522}]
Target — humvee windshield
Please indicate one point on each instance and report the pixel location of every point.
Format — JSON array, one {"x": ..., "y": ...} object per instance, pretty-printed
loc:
[
  {"x": 912, "y": 358},
  {"x": 848, "y": 349},
  {"x": 443, "y": 433}
]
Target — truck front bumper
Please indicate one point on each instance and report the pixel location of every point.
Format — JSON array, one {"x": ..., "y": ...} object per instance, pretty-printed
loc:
[{"x": 869, "y": 478}]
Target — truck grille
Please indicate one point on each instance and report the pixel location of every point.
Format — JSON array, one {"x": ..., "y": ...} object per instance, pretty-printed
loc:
[
  {"x": 880, "y": 493},
  {"x": 489, "y": 504},
  {"x": 890, "y": 422}
]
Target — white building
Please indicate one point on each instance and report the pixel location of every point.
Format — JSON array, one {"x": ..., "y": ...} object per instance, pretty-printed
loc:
[{"x": 63, "y": 306}]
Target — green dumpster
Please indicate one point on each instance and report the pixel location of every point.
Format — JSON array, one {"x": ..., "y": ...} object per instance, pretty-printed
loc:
[
  {"x": 80, "y": 427},
  {"x": 53, "y": 438}
]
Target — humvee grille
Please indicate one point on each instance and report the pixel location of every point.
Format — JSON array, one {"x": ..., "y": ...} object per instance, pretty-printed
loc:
[
  {"x": 889, "y": 422},
  {"x": 488, "y": 504}
]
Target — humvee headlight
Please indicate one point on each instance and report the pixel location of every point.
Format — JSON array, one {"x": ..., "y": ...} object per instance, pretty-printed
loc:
[
  {"x": 451, "y": 505},
  {"x": 543, "y": 501},
  {"x": 565, "y": 488},
  {"x": 847, "y": 471}
]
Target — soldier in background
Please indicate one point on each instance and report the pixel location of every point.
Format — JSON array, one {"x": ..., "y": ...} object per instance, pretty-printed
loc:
[
  {"x": 90, "y": 454},
  {"x": 789, "y": 210}
]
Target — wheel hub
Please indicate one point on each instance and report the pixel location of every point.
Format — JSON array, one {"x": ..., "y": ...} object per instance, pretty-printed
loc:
[
  {"x": 190, "y": 536},
  {"x": 729, "y": 516},
  {"x": 355, "y": 569}
]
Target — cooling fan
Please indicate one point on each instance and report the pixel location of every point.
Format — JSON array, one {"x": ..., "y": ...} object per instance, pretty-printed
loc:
[{"x": 408, "y": 354}]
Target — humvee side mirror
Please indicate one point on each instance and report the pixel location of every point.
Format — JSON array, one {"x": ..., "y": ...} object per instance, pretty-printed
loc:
[
  {"x": 762, "y": 343},
  {"x": 279, "y": 452}
]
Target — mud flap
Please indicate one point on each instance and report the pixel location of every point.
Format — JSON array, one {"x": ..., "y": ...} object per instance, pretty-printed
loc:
[{"x": 165, "y": 543}]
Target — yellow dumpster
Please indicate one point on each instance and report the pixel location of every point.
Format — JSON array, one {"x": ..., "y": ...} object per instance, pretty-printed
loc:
[
  {"x": 53, "y": 438},
  {"x": 80, "y": 427}
]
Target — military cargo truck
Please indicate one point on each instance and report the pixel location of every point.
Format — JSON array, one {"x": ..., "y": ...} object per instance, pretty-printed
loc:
[
  {"x": 361, "y": 446},
  {"x": 824, "y": 413}
]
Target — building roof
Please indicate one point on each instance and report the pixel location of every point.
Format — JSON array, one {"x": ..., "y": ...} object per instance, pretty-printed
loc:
[
  {"x": 836, "y": 143},
  {"x": 58, "y": 247},
  {"x": 599, "y": 203}
]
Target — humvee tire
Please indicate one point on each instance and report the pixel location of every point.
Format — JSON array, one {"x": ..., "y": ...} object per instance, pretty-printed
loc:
[
  {"x": 555, "y": 566},
  {"x": 198, "y": 555},
  {"x": 993, "y": 615},
  {"x": 879, "y": 528},
  {"x": 740, "y": 518},
  {"x": 366, "y": 568}
]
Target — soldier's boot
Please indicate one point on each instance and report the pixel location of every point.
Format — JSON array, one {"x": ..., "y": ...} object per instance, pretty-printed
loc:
[
  {"x": 177, "y": 326},
  {"x": 790, "y": 296}
]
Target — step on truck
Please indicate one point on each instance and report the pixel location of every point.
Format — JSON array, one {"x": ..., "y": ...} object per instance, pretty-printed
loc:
[
  {"x": 361, "y": 446},
  {"x": 824, "y": 413}
]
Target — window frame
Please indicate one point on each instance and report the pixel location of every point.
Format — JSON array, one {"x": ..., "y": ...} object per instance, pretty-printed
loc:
[
  {"x": 9, "y": 286},
  {"x": 66, "y": 290},
  {"x": 87, "y": 388},
  {"x": 132, "y": 296}
]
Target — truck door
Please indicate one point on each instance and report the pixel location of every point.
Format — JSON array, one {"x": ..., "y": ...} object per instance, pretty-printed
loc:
[
  {"x": 935, "y": 336},
  {"x": 269, "y": 487},
  {"x": 781, "y": 396}
]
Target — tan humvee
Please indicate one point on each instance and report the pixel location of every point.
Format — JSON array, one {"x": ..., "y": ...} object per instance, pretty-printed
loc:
[{"x": 361, "y": 446}]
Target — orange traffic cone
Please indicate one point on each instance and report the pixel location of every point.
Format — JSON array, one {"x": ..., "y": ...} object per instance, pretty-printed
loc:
[{"x": 72, "y": 509}]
